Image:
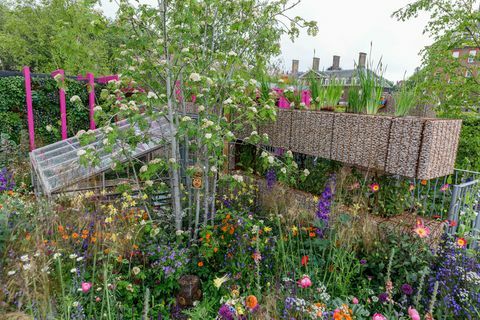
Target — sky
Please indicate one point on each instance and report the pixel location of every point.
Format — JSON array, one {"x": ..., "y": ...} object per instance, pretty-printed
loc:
[{"x": 347, "y": 27}]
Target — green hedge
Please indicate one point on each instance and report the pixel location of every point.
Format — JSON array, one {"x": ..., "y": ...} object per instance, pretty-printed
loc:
[
  {"x": 468, "y": 156},
  {"x": 46, "y": 109}
]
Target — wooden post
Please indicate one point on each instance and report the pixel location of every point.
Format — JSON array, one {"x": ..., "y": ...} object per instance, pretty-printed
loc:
[
  {"x": 28, "y": 98},
  {"x": 63, "y": 103},
  {"x": 91, "y": 98}
]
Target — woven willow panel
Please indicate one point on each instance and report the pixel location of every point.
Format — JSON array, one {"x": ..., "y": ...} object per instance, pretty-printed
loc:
[
  {"x": 279, "y": 131},
  {"x": 312, "y": 133},
  {"x": 439, "y": 148},
  {"x": 404, "y": 146},
  {"x": 361, "y": 140}
]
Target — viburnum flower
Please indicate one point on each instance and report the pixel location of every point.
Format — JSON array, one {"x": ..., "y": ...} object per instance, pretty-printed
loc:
[
  {"x": 461, "y": 242},
  {"x": 305, "y": 282},
  {"x": 374, "y": 187}
]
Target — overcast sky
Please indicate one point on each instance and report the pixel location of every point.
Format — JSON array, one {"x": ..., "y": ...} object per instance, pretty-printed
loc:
[{"x": 347, "y": 27}]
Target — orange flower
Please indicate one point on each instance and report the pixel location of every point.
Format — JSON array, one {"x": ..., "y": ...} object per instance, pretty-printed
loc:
[
  {"x": 227, "y": 216},
  {"x": 225, "y": 228},
  {"x": 85, "y": 232},
  {"x": 119, "y": 259},
  {"x": 251, "y": 302},
  {"x": 135, "y": 247},
  {"x": 423, "y": 182},
  {"x": 215, "y": 250},
  {"x": 421, "y": 230},
  {"x": 208, "y": 236},
  {"x": 10, "y": 193},
  {"x": 93, "y": 239},
  {"x": 200, "y": 264},
  {"x": 75, "y": 235},
  {"x": 28, "y": 236},
  {"x": 65, "y": 237},
  {"x": 232, "y": 230},
  {"x": 461, "y": 242},
  {"x": 60, "y": 229},
  {"x": 312, "y": 234}
]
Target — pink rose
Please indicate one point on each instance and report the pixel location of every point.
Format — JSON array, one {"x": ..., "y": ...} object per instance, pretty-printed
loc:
[
  {"x": 379, "y": 316},
  {"x": 355, "y": 300},
  {"x": 305, "y": 282},
  {"x": 86, "y": 286},
  {"x": 413, "y": 314}
]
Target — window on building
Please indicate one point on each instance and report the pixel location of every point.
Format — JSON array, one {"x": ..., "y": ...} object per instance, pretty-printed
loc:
[
  {"x": 456, "y": 54},
  {"x": 471, "y": 56}
]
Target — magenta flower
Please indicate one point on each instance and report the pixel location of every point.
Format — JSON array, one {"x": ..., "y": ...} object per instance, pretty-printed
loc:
[
  {"x": 379, "y": 316},
  {"x": 355, "y": 300},
  {"x": 86, "y": 286},
  {"x": 444, "y": 187},
  {"x": 413, "y": 314},
  {"x": 305, "y": 282}
]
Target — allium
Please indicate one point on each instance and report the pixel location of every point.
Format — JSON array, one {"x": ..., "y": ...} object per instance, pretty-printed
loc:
[
  {"x": 383, "y": 297},
  {"x": 407, "y": 289}
]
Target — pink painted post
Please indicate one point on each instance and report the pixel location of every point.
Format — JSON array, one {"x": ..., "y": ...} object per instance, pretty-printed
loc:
[
  {"x": 91, "y": 98},
  {"x": 105, "y": 79},
  {"x": 63, "y": 103},
  {"x": 28, "y": 96}
]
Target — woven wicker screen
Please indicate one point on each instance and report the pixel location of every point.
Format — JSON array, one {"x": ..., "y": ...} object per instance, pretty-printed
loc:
[
  {"x": 279, "y": 131},
  {"x": 361, "y": 140},
  {"x": 312, "y": 132},
  {"x": 404, "y": 146},
  {"x": 439, "y": 148}
]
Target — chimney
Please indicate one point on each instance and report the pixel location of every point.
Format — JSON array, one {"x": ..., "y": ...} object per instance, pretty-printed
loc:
[
  {"x": 295, "y": 67},
  {"x": 362, "y": 58},
  {"x": 316, "y": 64},
  {"x": 336, "y": 63}
]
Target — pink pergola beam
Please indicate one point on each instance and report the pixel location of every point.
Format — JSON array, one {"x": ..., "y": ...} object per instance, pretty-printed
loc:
[
  {"x": 105, "y": 79},
  {"x": 28, "y": 98},
  {"x": 91, "y": 98},
  {"x": 63, "y": 103}
]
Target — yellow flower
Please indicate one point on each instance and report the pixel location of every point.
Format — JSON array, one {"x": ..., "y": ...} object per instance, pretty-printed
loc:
[
  {"x": 267, "y": 229},
  {"x": 217, "y": 282},
  {"x": 315, "y": 199}
]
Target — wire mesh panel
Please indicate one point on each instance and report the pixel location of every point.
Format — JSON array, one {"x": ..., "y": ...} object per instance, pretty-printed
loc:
[{"x": 58, "y": 165}]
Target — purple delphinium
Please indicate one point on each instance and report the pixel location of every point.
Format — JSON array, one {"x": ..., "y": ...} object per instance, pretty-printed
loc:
[
  {"x": 271, "y": 178},
  {"x": 6, "y": 180},
  {"x": 407, "y": 289},
  {"x": 324, "y": 206},
  {"x": 458, "y": 274}
]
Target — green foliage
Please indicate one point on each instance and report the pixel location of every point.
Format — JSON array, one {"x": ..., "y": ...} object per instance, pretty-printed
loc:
[
  {"x": 53, "y": 34},
  {"x": 354, "y": 103},
  {"x": 453, "y": 24},
  {"x": 468, "y": 156},
  {"x": 333, "y": 93},
  {"x": 405, "y": 100},
  {"x": 46, "y": 108}
]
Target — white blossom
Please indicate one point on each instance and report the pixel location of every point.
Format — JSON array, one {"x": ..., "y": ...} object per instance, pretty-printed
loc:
[
  {"x": 149, "y": 183},
  {"x": 27, "y": 266},
  {"x": 208, "y": 135},
  {"x": 49, "y": 128},
  {"x": 11, "y": 272},
  {"x": 81, "y": 152},
  {"x": 97, "y": 109},
  {"x": 306, "y": 172},
  {"x": 152, "y": 95},
  {"x": 213, "y": 169},
  {"x": 232, "y": 54},
  {"x": 201, "y": 108},
  {"x": 195, "y": 77},
  {"x": 228, "y": 101},
  {"x": 80, "y": 133},
  {"x": 144, "y": 168},
  {"x": 238, "y": 178},
  {"x": 270, "y": 159},
  {"x": 24, "y": 258}
]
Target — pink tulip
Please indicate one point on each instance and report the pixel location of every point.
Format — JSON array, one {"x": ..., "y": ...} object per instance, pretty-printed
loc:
[
  {"x": 379, "y": 316},
  {"x": 86, "y": 286},
  {"x": 355, "y": 300},
  {"x": 305, "y": 282},
  {"x": 413, "y": 314}
]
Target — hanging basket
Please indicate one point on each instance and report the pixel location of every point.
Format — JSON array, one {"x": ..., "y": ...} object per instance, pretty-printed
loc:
[
  {"x": 312, "y": 133},
  {"x": 361, "y": 140}
]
